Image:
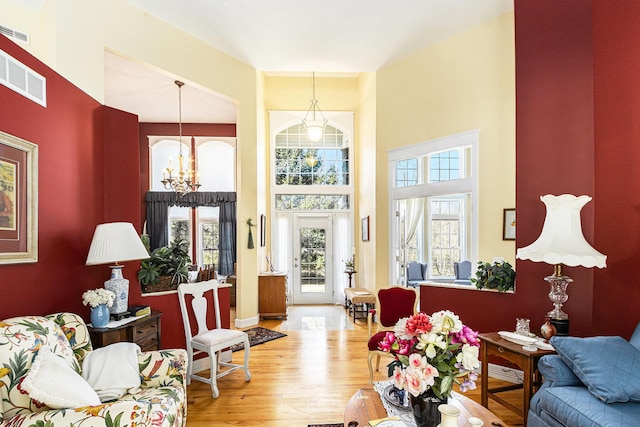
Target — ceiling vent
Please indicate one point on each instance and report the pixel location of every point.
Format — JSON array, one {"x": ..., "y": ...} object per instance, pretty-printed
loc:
[
  {"x": 14, "y": 34},
  {"x": 22, "y": 79}
]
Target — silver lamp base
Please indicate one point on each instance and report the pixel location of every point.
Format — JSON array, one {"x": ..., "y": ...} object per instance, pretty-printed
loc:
[
  {"x": 558, "y": 293},
  {"x": 120, "y": 287}
]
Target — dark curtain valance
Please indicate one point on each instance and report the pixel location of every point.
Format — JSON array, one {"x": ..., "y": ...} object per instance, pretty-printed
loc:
[{"x": 159, "y": 202}]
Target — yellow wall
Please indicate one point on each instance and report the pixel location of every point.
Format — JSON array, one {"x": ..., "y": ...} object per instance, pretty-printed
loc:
[
  {"x": 71, "y": 36},
  {"x": 463, "y": 83},
  {"x": 365, "y": 173}
]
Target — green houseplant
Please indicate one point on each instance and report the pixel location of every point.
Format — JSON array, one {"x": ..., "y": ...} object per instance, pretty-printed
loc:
[
  {"x": 167, "y": 267},
  {"x": 500, "y": 276}
]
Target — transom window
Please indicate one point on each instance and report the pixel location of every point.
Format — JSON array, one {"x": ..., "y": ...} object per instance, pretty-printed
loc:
[
  {"x": 299, "y": 161},
  {"x": 444, "y": 166},
  {"x": 407, "y": 173}
]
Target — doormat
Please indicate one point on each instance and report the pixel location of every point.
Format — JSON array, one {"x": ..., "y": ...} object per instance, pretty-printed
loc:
[
  {"x": 259, "y": 335},
  {"x": 327, "y": 425}
]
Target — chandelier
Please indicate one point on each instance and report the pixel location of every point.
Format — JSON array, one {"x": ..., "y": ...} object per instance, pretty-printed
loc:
[
  {"x": 314, "y": 120},
  {"x": 186, "y": 180}
]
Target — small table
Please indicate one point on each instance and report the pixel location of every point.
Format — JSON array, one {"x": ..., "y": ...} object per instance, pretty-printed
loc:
[
  {"x": 144, "y": 331},
  {"x": 350, "y": 273},
  {"x": 366, "y": 405},
  {"x": 492, "y": 344}
]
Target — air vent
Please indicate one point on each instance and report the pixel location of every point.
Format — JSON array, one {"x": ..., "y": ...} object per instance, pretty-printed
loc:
[
  {"x": 14, "y": 34},
  {"x": 22, "y": 79}
]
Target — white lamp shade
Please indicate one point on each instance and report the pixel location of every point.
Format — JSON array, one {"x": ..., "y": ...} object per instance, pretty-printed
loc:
[
  {"x": 561, "y": 240},
  {"x": 314, "y": 129},
  {"x": 115, "y": 242}
]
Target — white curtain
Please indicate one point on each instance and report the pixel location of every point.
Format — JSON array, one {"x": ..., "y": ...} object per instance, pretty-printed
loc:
[
  {"x": 342, "y": 250},
  {"x": 413, "y": 213}
]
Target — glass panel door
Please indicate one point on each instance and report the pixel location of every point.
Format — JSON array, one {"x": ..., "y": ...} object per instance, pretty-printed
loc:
[{"x": 312, "y": 260}]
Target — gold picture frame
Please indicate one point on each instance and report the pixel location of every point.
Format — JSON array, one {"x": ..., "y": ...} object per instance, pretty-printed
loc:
[
  {"x": 509, "y": 224},
  {"x": 18, "y": 200}
]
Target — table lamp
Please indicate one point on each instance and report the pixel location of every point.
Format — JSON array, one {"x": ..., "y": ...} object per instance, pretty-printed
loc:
[
  {"x": 116, "y": 242},
  {"x": 561, "y": 242}
]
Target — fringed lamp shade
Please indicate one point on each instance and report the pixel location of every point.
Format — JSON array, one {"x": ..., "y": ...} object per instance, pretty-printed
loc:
[{"x": 562, "y": 242}]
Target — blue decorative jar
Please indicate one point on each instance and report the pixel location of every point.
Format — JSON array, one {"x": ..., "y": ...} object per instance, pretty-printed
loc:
[{"x": 100, "y": 316}]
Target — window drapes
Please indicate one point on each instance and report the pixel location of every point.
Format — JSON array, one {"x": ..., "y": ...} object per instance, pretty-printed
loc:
[{"x": 159, "y": 202}]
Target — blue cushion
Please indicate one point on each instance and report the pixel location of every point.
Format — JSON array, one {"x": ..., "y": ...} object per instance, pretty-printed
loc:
[
  {"x": 575, "y": 406},
  {"x": 414, "y": 271},
  {"x": 635, "y": 338},
  {"x": 556, "y": 373},
  {"x": 608, "y": 366}
]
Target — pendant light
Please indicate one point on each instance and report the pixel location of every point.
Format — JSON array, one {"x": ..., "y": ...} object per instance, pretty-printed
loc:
[
  {"x": 314, "y": 121},
  {"x": 186, "y": 180}
]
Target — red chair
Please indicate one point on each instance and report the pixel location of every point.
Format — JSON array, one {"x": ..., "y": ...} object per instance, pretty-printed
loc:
[{"x": 392, "y": 304}]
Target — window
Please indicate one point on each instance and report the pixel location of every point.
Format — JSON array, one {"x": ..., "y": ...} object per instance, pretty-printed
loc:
[
  {"x": 299, "y": 161},
  {"x": 446, "y": 228},
  {"x": 440, "y": 173},
  {"x": 444, "y": 166},
  {"x": 215, "y": 166},
  {"x": 311, "y": 202},
  {"x": 407, "y": 173}
]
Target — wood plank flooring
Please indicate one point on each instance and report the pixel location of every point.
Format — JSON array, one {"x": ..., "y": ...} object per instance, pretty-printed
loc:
[{"x": 304, "y": 378}]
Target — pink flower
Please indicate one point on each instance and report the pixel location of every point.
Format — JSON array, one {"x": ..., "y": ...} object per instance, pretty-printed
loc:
[
  {"x": 466, "y": 336},
  {"x": 405, "y": 346},
  {"x": 387, "y": 342},
  {"x": 419, "y": 323},
  {"x": 157, "y": 418},
  {"x": 398, "y": 377}
]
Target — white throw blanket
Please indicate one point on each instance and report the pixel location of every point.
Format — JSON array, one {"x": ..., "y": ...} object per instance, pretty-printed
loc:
[{"x": 113, "y": 371}]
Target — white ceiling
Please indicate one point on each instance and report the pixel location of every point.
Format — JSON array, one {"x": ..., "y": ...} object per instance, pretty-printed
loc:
[{"x": 287, "y": 36}]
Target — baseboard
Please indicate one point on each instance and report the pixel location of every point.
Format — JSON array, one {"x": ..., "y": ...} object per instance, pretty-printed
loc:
[
  {"x": 506, "y": 374},
  {"x": 203, "y": 363},
  {"x": 245, "y": 323}
]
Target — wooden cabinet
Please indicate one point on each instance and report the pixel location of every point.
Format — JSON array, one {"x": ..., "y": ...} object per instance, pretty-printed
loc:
[
  {"x": 272, "y": 296},
  {"x": 145, "y": 332}
]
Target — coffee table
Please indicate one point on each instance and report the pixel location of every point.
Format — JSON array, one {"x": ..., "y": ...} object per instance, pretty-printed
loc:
[{"x": 366, "y": 405}]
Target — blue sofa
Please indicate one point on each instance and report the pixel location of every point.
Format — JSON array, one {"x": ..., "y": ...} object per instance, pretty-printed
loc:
[{"x": 590, "y": 382}]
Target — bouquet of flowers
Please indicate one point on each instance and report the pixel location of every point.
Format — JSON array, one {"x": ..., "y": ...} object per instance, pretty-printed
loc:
[
  {"x": 432, "y": 353},
  {"x": 95, "y": 297}
]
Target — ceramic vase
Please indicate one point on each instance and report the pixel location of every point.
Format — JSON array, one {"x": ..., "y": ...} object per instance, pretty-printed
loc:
[
  {"x": 448, "y": 415},
  {"x": 100, "y": 316},
  {"x": 425, "y": 409}
]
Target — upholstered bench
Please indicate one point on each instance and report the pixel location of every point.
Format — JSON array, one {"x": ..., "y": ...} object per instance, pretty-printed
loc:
[{"x": 359, "y": 301}]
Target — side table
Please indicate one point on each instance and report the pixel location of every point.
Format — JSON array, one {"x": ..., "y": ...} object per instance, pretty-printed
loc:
[
  {"x": 144, "y": 331},
  {"x": 493, "y": 345}
]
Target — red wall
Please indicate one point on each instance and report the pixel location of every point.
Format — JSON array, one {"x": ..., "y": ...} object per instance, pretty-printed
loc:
[
  {"x": 616, "y": 44},
  {"x": 70, "y": 148},
  {"x": 577, "y": 131}
]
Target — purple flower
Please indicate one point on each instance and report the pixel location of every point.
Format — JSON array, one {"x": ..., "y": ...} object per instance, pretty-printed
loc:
[{"x": 466, "y": 336}]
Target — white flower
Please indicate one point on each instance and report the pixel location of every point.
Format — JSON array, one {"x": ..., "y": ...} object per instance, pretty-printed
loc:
[
  {"x": 98, "y": 296},
  {"x": 429, "y": 342},
  {"x": 400, "y": 329},
  {"x": 469, "y": 357},
  {"x": 445, "y": 322}
]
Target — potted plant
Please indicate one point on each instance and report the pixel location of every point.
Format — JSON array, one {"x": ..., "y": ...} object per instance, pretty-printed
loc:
[
  {"x": 499, "y": 275},
  {"x": 167, "y": 267}
]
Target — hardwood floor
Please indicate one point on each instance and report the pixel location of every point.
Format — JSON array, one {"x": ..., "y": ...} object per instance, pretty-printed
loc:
[{"x": 304, "y": 378}]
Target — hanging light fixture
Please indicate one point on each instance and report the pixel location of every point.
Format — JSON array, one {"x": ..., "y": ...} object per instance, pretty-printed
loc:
[
  {"x": 314, "y": 120},
  {"x": 186, "y": 180}
]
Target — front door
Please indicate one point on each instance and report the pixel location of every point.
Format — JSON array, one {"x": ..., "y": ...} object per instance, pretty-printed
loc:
[{"x": 312, "y": 259}]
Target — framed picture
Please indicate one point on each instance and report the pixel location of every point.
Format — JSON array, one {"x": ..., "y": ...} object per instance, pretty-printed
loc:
[
  {"x": 18, "y": 200},
  {"x": 263, "y": 230},
  {"x": 365, "y": 229},
  {"x": 509, "y": 224}
]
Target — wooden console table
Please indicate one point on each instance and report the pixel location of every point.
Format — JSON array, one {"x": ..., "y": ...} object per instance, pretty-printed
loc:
[
  {"x": 493, "y": 345},
  {"x": 144, "y": 331},
  {"x": 366, "y": 405}
]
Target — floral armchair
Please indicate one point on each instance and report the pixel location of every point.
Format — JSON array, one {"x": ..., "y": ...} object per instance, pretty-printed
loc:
[{"x": 160, "y": 400}]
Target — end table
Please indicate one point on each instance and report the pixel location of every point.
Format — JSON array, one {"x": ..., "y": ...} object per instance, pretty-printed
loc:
[{"x": 493, "y": 345}]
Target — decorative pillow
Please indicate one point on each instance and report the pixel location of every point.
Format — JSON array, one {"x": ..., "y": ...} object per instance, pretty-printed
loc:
[
  {"x": 53, "y": 382},
  {"x": 608, "y": 366},
  {"x": 414, "y": 271}
]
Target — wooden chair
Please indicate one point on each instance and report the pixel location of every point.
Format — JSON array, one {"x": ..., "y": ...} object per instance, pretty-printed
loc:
[
  {"x": 210, "y": 341},
  {"x": 392, "y": 304}
]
